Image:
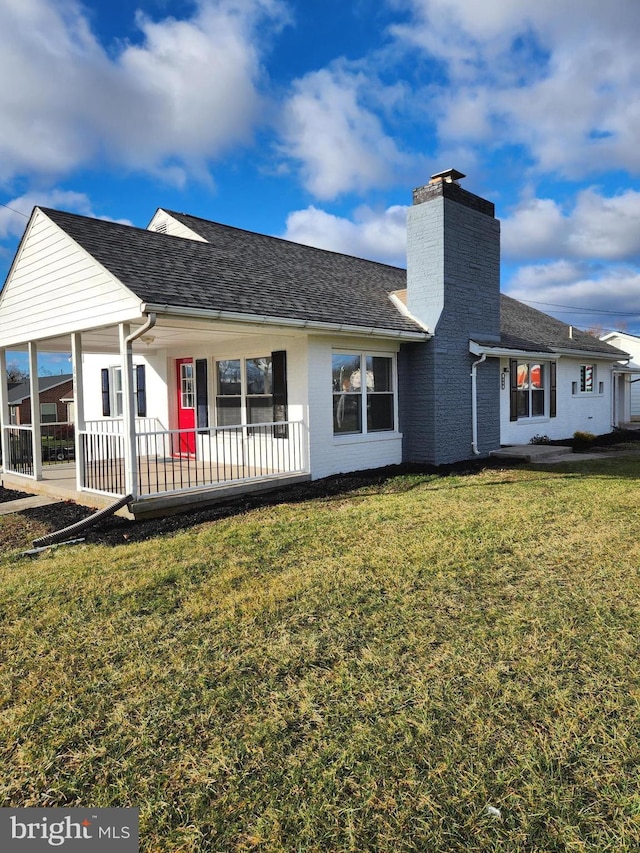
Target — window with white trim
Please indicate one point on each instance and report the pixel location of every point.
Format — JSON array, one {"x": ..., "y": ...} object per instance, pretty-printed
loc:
[
  {"x": 187, "y": 386},
  {"x": 533, "y": 389},
  {"x": 251, "y": 390},
  {"x": 116, "y": 392},
  {"x": 530, "y": 389},
  {"x": 113, "y": 393},
  {"x": 587, "y": 378},
  {"x": 363, "y": 393}
]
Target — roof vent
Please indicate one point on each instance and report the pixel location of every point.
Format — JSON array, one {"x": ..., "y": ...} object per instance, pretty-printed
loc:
[
  {"x": 161, "y": 227},
  {"x": 449, "y": 176}
]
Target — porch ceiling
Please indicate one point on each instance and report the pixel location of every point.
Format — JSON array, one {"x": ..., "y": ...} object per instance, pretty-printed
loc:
[{"x": 169, "y": 332}]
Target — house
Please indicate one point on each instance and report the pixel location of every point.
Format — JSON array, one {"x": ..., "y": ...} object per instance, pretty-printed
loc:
[
  {"x": 631, "y": 344},
  {"x": 55, "y": 396},
  {"x": 208, "y": 359}
]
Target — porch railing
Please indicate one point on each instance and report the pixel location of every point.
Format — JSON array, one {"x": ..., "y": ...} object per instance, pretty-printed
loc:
[
  {"x": 180, "y": 460},
  {"x": 111, "y": 425},
  {"x": 20, "y": 450},
  {"x": 102, "y": 456},
  {"x": 58, "y": 443}
]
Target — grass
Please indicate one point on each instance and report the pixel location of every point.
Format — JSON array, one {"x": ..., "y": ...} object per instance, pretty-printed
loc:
[{"x": 365, "y": 672}]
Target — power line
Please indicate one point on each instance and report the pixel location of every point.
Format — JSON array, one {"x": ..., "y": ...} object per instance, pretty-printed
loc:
[
  {"x": 13, "y": 210},
  {"x": 575, "y": 308}
]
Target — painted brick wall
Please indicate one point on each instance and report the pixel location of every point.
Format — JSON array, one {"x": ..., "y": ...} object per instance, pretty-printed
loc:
[
  {"x": 453, "y": 285},
  {"x": 330, "y": 454},
  {"x": 586, "y": 412}
]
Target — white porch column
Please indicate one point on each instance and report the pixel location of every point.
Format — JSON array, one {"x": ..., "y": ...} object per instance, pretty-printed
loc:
[
  {"x": 36, "y": 440},
  {"x": 128, "y": 413},
  {"x": 78, "y": 406},
  {"x": 4, "y": 407}
]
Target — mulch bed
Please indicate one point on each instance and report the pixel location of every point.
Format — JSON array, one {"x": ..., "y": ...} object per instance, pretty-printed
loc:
[
  {"x": 7, "y": 495},
  {"x": 115, "y": 530}
]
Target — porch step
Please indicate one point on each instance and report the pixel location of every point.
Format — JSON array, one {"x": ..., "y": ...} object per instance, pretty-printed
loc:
[{"x": 533, "y": 452}]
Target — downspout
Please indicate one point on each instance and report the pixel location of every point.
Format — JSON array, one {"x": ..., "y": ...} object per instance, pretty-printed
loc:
[
  {"x": 151, "y": 321},
  {"x": 474, "y": 404}
]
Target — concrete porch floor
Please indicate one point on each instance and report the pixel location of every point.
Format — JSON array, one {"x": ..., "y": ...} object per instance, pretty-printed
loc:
[{"x": 59, "y": 481}]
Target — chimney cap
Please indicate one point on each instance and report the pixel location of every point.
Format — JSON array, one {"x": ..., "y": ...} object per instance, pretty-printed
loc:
[{"x": 448, "y": 176}]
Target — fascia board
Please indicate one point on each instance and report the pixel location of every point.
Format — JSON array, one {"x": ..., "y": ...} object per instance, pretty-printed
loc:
[{"x": 289, "y": 322}]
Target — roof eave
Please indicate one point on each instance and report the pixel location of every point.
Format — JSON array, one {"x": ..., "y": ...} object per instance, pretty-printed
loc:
[
  {"x": 476, "y": 348},
  {"x": 289, "y": 322}
]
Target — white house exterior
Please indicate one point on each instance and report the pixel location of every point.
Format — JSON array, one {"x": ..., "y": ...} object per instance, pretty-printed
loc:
[
  {"x": 590, "y": 405},
  {"x": 207, "y": 358},
  {"x": 630, "y": 344}
]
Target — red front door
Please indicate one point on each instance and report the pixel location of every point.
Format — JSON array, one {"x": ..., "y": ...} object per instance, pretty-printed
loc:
[{"x": 186, "y": 394}]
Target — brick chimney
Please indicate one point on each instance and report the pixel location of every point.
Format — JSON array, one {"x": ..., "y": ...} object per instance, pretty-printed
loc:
[
  {"x": 453, "y": 287},
  {"x": 453, "y": 256}
]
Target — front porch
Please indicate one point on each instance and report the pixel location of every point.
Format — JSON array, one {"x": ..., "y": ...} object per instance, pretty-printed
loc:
[{"x": 219, "y": 463}]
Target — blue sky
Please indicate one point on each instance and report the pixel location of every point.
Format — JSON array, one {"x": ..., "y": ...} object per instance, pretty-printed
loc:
[{"x": 314, "y": 119}]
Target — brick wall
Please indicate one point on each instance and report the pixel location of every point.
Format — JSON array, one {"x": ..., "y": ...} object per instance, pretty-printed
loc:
[
  {"x": 52, "y": 395},
  {"x": 453, "y": 285}
]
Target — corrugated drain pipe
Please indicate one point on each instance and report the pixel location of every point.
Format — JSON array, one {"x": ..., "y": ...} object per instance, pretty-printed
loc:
[{"x": 68, "y": 532}]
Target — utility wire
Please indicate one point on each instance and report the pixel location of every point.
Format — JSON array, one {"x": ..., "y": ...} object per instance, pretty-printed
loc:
[
  {"x": 13, "y": 210},
  {"x": 583, "y": 310}
]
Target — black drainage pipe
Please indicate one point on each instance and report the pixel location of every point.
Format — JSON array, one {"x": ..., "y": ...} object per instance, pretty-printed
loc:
[{"x": 68, "y": 532}]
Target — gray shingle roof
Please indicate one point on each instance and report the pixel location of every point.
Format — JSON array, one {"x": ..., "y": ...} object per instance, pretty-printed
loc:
[
  {"x": 240, "y": 271},
  {"x": 22, "y": 391},
  {"x": 525, "y": 328}
]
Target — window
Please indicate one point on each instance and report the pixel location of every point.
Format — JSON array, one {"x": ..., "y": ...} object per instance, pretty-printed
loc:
[
  {"x": 252, "y": 391},
  {"x": 530, "y": 390},
  {"x": 48, "y": 413},
  {"x": 587, "y": 378},
  {"x": 113, "y": 394},
  {"x": 229, "y": 392},
  {"x": 259, "y": 374},
  {"x": 116, "y": 392},
  {"x": 187, "y": 386},
  {"x": 531, "y": 382},
  {"x": 362, "y": 406}
]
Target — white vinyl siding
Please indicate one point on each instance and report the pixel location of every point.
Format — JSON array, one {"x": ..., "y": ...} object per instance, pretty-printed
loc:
[
  {"x": 55, "y": 287},
  {"x": 166, "y": 224}
]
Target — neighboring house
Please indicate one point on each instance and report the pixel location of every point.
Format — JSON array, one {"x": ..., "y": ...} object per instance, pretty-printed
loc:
[
  {"x": 207, "y": 356},
  {"x": 56, "y": 400},
  {"x": 631, "y": 344}
]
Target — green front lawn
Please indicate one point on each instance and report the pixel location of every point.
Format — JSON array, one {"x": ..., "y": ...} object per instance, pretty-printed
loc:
[{"x": 366, "y": 672}]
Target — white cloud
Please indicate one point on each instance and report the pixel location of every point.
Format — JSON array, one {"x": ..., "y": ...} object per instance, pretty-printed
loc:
[
  {"x": 331, "y": 129},
  {"x": 14, "y": 217},
  {"x": 380, "y": 236},
  {"x": 598, "y": 227},
  {"x": 580, "y": 293},
  {"x": 15, "y": 214},
  {"x": 185, "y": 94},
  {"x": 560, "y": 80}
]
